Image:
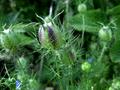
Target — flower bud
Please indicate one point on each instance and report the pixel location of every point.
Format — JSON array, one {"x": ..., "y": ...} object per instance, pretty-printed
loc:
[
  {"x": 48, "y": 36},
  {"x": 52, "y": 36},
  {"x": 41, "y": 34},
  {"x": 82, "y": 8},
  {"x": 48, "y": 19},
  {"x": 86, "y": 66},
  {"x": 105, "y": 33}
]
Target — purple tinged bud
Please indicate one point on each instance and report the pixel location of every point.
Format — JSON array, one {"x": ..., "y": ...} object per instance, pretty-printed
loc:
[
  {"x": 47, "y": 36},
  {"x": 52, "y": 36}
]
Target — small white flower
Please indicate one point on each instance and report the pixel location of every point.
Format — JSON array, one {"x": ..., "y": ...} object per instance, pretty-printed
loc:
[{"x": 6, "y": 31}]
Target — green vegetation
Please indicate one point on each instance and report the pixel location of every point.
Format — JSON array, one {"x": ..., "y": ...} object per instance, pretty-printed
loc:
[{"x": 59, "y": 44}]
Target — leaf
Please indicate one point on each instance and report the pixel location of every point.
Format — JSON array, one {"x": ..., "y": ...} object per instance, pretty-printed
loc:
[
  {"x": 115, "y": 49},
  {"x": 114, "y": 11},
  {"x": 25, "y": 40},
  {"x": 14, "y": 41},
  {"x": 115, "y": 52},
  {"x": 10, "y": 18},
  {"x": 88, "y": 20},
  {"x": 20, "y": 27}
]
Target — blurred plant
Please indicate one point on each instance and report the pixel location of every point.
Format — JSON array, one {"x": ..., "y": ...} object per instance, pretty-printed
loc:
[
  {"x": 24, "y": 80},
  {"x": 13, "y": 38},
  {"x": 73, "y": 51},
  {"x": 82, "y": 8},
  {"x": 115, "y": 84}
]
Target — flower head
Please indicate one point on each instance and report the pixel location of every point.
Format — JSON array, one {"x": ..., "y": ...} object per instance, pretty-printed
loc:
[{"x": 18, "y": 84}]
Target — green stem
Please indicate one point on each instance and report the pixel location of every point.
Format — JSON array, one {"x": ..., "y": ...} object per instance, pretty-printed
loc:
[
  {"x": 83, "y": 30},
  {"x": 7, "y": 70},
  {"x": 41, "y": 63},
  {"x": 67, "y": 11},
  {"x": 102, "y": 52},
  {"x": 59, "y": 58}
]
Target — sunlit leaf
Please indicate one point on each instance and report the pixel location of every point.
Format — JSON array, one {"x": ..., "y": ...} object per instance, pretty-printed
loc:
[{"x": 89, "y": 20}]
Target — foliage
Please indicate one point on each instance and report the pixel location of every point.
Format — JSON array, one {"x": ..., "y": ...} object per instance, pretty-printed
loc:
[{"x": 60, "y": 45}]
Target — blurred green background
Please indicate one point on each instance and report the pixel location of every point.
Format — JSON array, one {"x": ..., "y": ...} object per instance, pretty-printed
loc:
[{"x": 82, "y": 58}]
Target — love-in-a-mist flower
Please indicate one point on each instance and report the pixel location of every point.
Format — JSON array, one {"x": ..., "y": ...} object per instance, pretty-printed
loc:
[{"x": 18, "y": 85}]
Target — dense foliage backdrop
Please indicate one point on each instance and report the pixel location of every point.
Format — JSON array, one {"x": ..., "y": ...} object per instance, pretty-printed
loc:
[{"x": 59, "y": 44}]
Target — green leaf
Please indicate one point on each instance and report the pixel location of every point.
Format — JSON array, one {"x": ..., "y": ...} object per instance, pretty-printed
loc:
[
  {"x": 114, "y": 11},
  {"x": 20, "y": 27},
  {"x": 25, "y": 40},
  {"x": 89, "y": 21},
  {"x": 115, "y": 52},
  {"x": 13, "y": 41},
  {"x": 115, "y": 49}
]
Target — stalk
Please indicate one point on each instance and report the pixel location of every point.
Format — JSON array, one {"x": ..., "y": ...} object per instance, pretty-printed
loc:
[{"x": 102, "y": 52}]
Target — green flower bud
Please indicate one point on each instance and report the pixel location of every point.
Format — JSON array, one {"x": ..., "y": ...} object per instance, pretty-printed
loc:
[
  {"x": 48, "y": 19},
  {"x": 86, "y": 66},
  {"x": 93, "y": 46},
  {"x": 82, "y": 8},
  {"x": 105, "y": 34}
]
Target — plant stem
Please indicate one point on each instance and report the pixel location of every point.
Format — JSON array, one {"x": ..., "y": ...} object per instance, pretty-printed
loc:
[
  {"x": 83, "y": 30},
  {"x": 41, "y": 63},
  {"x": 6, "y": 71},
  {"x": 67, "y": 11},
  {"x": 102, "y": 52}
]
